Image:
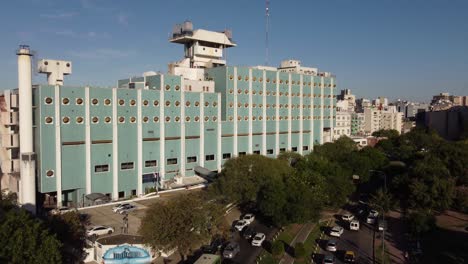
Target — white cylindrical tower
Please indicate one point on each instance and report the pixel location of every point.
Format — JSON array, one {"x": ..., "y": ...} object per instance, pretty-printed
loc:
[{"x": 27, "y": 157}]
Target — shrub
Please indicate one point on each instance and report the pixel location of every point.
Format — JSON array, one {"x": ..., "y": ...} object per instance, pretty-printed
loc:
[
  {"x": 299, "y": 250},
  {"x": 277, "y": 248}
]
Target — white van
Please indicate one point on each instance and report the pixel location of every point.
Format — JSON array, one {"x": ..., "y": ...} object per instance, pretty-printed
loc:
[{"x": 354, "y": 225}]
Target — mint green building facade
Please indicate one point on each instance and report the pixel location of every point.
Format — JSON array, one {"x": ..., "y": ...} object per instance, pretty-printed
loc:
[{"x": 114, "y": 140}]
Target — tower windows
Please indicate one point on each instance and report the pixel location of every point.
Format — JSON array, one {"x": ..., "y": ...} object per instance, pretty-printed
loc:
[
  {"x": 107, "y": 101},
  {"x": 65, "y": 101},
  {"x": 79, "y": 120},
  {"x": 48, "y": 100},
  {"x": 95, "y": 101}
]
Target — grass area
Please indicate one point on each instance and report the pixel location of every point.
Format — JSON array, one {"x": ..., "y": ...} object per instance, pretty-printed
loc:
[
  {"x": 286, "y": 236},
  {"x": 309, "y": 244}
]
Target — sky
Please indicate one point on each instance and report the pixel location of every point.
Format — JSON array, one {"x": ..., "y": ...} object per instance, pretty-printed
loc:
[{"x": 407, "y": 49}]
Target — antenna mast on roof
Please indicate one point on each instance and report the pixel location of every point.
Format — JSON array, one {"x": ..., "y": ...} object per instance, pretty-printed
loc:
[{"x": 267, "y": 24}]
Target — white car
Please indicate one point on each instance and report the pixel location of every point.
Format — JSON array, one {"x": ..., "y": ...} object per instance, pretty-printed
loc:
[
  {"x": 127, "y": 209},
  {"x": 100, "y": 230},
  {"x": 241, "y": 224},
  {"x": 63, "y": 210},
  {"x": 336, "y": 231},
  {"x": 371, "y": 219},
  {"x": 258, "y": 239},
  {"x": 119, "y": 207},
  {"x": 354, "y": 225},
  {"x": 374, "y": 213},
  {"x": 347, "y": 217},
  {"x": 331, "y": 245},
  {"x": 249, "y": 218}
]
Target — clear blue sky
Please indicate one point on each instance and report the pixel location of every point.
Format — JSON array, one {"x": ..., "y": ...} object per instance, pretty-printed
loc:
[{"x": 396, "y": 48}]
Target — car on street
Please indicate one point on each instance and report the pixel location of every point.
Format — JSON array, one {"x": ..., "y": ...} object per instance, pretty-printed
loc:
[
  {"x": 349, "y": 257},
  {"x": 371, "y": 219},
  {"x": 99, "y": 231},
  {"x": 382, "y": 225},
  {"x": 249, "y": 218},
  {"x": 241, "y": 224},
  {"x": 328, "y": 259},
  {"x": 231, "y": 250},
  {"x": 374, "y": 213},
  {"x": 336, "y": 231},
  {"x": 63, "y": 210},
  {"x": 248, "y": 233},
  {"x": 354, "y": 225},
  {"x": 127, "y": 209},
  {"x": 347, "y": 217},
  {"x": 258, "y": 239},
  {"x": 215, "y": 245},
  {"x": 331, "y": 245},
  {"x": 119, "y": 207}
]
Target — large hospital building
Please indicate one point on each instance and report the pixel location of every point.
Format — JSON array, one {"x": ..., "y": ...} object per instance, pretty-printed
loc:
[{"x": 117, "y": 141}]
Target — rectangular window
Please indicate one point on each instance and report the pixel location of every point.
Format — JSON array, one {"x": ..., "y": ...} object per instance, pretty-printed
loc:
[
  {"x": 305, "y": 147},
  {"x": 101, "y": 168},
  {"x": 149, "y": 177},
  {"x": 209, "y": 157},
  {"x": 282, "y": 150},
  {"x": 226, "y": 155},
  {"x": 192, "y": 159},
  {"x": 133, "y": 192},
  {"x": 242, "y": 153},
  {"x": 257, "y": 152},
  {"x": 294, "y": 149},
  {"x": 126, "y": 166},
  {"x": 172, "y": 161},
  {"x": 151, "y": 163},
  {"x": 121, "y": 194},
  {"x": 269, "y": 151}
]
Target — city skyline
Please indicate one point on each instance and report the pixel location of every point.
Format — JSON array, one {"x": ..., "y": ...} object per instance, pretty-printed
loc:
[{"x": 400, "y": 49}]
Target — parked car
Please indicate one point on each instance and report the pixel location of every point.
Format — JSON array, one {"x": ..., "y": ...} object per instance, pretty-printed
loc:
[
  {"x": 215, "y": 245},
  {"x": 127, "y": 209},
  {"x": 328, "y": 259},
  {"x": 258, "y": 239},
  {"x": 336, "y": 231},
  {"x": 241, "y": 224},
  {"x": 231, "y": 250},
  {"x": 99, "y": 231},
  {"x": 63, "y": 210},
  {"x": 119, "y": 207},
  {"x": 349, "y": 257},
  {"x": 371, "y": 219},
  {"x": 354, "y": 225},
  {"x": 249, "y": 218},
  {"x": 347, "y": 217},
  {"x": 374, "y": 213},
  {"x": 248, "y": 233},
  {"x": 331, "y": 245}
]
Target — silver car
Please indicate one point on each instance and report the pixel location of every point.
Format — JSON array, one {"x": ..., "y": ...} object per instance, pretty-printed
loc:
[
  {"x": 231, "y": 250},
  {"x": 331, "y": 245}
]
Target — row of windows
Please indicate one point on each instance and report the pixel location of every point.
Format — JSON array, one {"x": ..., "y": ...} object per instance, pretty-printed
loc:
[
  {"x": 246, "y": 78},
  {"x": 107, "y": 119},
  {"x": 246, "y": 105},
  {"x": 239, "y": 118},
  {"x": 246, "y": 91},
  {"x": 132, "y": 102}
]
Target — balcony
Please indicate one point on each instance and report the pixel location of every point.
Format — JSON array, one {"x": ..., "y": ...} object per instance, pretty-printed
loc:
[
  {"x": 9, "y": 118},
  {"x": 10, "y": 140},
  {"x": 10, "y": 166},
  {"x": 14, "y": 102}
]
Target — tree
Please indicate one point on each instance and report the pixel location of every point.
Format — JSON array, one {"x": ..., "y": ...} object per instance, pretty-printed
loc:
[
  {"x": 382, "y": 199},
  {"x": 338, "y": 150},
  {"x": 388, "y": 133},
  {"x": 25, "y": 239},
  {"x": 184, "y": 222},
  {"x": 299, "y": 250},
  {"x": 277, "y": 248},
  {"x": 420, "y": 222}
]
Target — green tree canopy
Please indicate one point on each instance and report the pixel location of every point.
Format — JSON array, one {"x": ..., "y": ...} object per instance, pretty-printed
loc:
[
  {"x": 184, "y": 222},
  {"x": 388, "y": 133}
]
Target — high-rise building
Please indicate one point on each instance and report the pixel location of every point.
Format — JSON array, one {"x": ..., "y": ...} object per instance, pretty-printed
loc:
[
  {"x": 153, "y": 129},
  {"x": 377, "y": 119}
]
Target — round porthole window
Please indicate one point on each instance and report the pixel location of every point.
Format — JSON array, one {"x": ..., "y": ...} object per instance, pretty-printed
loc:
[
  {"x": 79, "y": 120},
  {"x": 206, "y": 118},
  {"x": 95, "y": 119},
  {"x": 132, "y": 102},
  {"x": 177, "y": 88},
  {"x": 107, "y": 102},
  {"x": 49, "y": 120},
  {"x": 107, "y": 119},
  {"x": 187, "y": 103},
  {"x": 168, "y": 87},
  {"x": 177, "y": 103},
  {"x": 121, "y": 119},
  {"x": 66, "y": 120},
  {"x": 197, "y": 103},
  {"x": 50, "y": 173},
  {"x": 214, "y": 118},
  {"x": 48, "y": 100},
  {"x": 132, "y": 119},
  {"x": 65, "y": 101},
  {"x": 197, "y": 119},
  {"x": 168, "y": 103},
  {"x": 168, "y": 119},
  {"x": 145, "y": 102},
  {"x": 187, "y": 119},
  {"x": 121, "y": 102},
  {"x": 207, "y": 103},
  {"x": 145, "y": 119},
  {"x": 156, "y": 119},
  {"x": 79, "y": 101},
  {"x": 95, "y": 101},
  {"x": 177, "y": 119},
  {"x": 156, "y": 102}
]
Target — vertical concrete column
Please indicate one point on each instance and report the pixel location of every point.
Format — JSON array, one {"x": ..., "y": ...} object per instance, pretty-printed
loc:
[
  {"x": 277, "y": 115},
  {"x": 139, "y": 146},
  {"x": 264, "y": 102},
  {"x": 301, "y": 112},
  {"x": 249, "y": 149},
  {"x": 87, "y": 141},
  {"x": 183, "y": 160},
  {"x": 312, "y": 113},
  {"x": 289, "y": 112},
  {"x": 115, "y": 147},
  {"x": 234, "y": 138},
  {"x": 321, "y": 109},
  {"x": 332, "y": 127},
  {"x": 162, "y": 133},
  {"x": 58, "y": 148},
  {"x": 219, "y": 156},
  {"x": 202, "y": 129}
]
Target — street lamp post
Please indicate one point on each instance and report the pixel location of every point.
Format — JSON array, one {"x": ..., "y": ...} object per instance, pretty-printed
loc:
[{"x": 383, "y": 213}]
